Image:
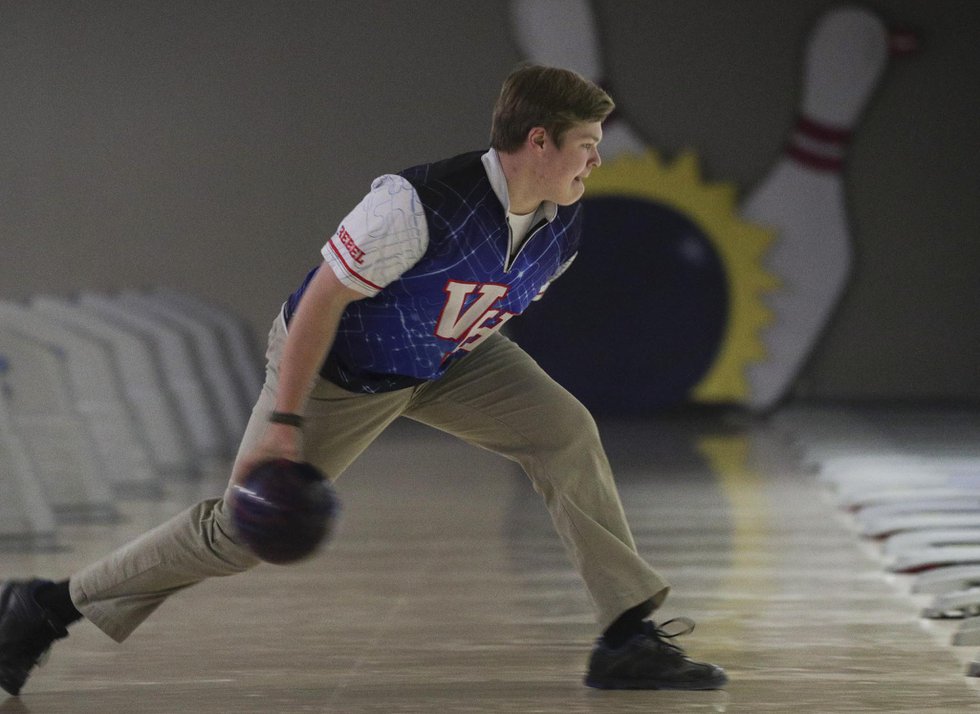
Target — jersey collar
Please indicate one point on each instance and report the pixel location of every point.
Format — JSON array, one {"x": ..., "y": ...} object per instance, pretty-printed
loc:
[{"x": 495, "y": 172}]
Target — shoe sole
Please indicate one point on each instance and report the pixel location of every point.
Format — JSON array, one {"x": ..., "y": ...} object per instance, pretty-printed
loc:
[{"x": 715, "y": 683}]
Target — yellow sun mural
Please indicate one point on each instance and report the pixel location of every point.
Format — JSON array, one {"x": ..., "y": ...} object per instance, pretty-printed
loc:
[{"x": 739, "y": 244}]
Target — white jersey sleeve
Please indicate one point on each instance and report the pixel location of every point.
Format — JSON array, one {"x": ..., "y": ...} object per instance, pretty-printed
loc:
[{"x": 385, "y": 235}]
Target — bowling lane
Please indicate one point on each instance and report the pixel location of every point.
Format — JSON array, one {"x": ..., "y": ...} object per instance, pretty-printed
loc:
[{"x": 445, "y": 590}]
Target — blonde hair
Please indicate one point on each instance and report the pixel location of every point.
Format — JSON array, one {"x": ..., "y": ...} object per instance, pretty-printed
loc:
[{"x": 549, "y": 97}]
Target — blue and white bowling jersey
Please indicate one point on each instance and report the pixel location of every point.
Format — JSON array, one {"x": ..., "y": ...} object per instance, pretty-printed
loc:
[{"x": 431, "y": 249}]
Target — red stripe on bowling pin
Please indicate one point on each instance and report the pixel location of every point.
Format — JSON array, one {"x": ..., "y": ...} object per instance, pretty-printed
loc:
[{"x": 818, "y": 146}]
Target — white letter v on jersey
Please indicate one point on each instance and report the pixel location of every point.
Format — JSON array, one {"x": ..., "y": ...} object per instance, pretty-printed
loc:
[{"x": 454, "y": 322}]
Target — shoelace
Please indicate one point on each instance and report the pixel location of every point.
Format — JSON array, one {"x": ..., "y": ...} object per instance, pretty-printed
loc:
[{"x": 661, "y": 634}]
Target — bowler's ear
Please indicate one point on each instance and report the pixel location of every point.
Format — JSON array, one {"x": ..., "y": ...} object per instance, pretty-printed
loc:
[{"x": 537, "y": 137}]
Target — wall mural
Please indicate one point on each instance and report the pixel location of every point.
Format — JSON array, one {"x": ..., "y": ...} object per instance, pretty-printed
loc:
[{"x": 682, "y": 292}]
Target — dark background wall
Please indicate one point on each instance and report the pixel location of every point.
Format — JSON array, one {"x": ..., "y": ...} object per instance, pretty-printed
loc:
[{"x": 213, "y": 146}]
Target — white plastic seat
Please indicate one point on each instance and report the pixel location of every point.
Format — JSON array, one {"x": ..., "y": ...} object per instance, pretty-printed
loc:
[
  {"x": 216, "y": 376},
  {"x": 961, "y": 603},
  {"x": 245, "y": 357},
  {"x": 122, "y": 453},
  {"x": 913, "y": 540},
  {"x": 25, "y": 515},
  {"x": 932, "y": 506},
  {"x": 927, "y": 557},
  {"x": 155, "y": 415},
  {"x": 868, "y": 478},
  {"x": 881, "y": 496},
  {"x": 947, "y": 579},
  {"x": 885, "y": 527},
  {"x": 54, "y": 436},
  {"x": 180, "y": 373}
]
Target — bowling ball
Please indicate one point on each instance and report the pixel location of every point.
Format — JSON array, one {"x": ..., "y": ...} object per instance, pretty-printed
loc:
[{"x": 283, "y": 510}]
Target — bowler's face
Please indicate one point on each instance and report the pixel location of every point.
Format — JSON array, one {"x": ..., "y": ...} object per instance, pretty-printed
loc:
[{"x": 563, "y": 170}]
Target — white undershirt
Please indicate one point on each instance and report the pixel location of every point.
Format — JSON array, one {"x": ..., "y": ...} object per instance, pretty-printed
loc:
[{"x": 519, "y": 226}]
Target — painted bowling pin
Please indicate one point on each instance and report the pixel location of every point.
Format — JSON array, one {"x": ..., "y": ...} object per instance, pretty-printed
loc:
[
  {"x": 802, "y": 197},
  {"x": 562, "y": 33}
]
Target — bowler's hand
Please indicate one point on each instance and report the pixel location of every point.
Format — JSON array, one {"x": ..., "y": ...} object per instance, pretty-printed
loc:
[{"x": 280, "y": 441}]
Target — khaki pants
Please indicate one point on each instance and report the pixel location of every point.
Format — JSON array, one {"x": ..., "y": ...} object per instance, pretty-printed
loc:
[{"x": 496, "y": 398}]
